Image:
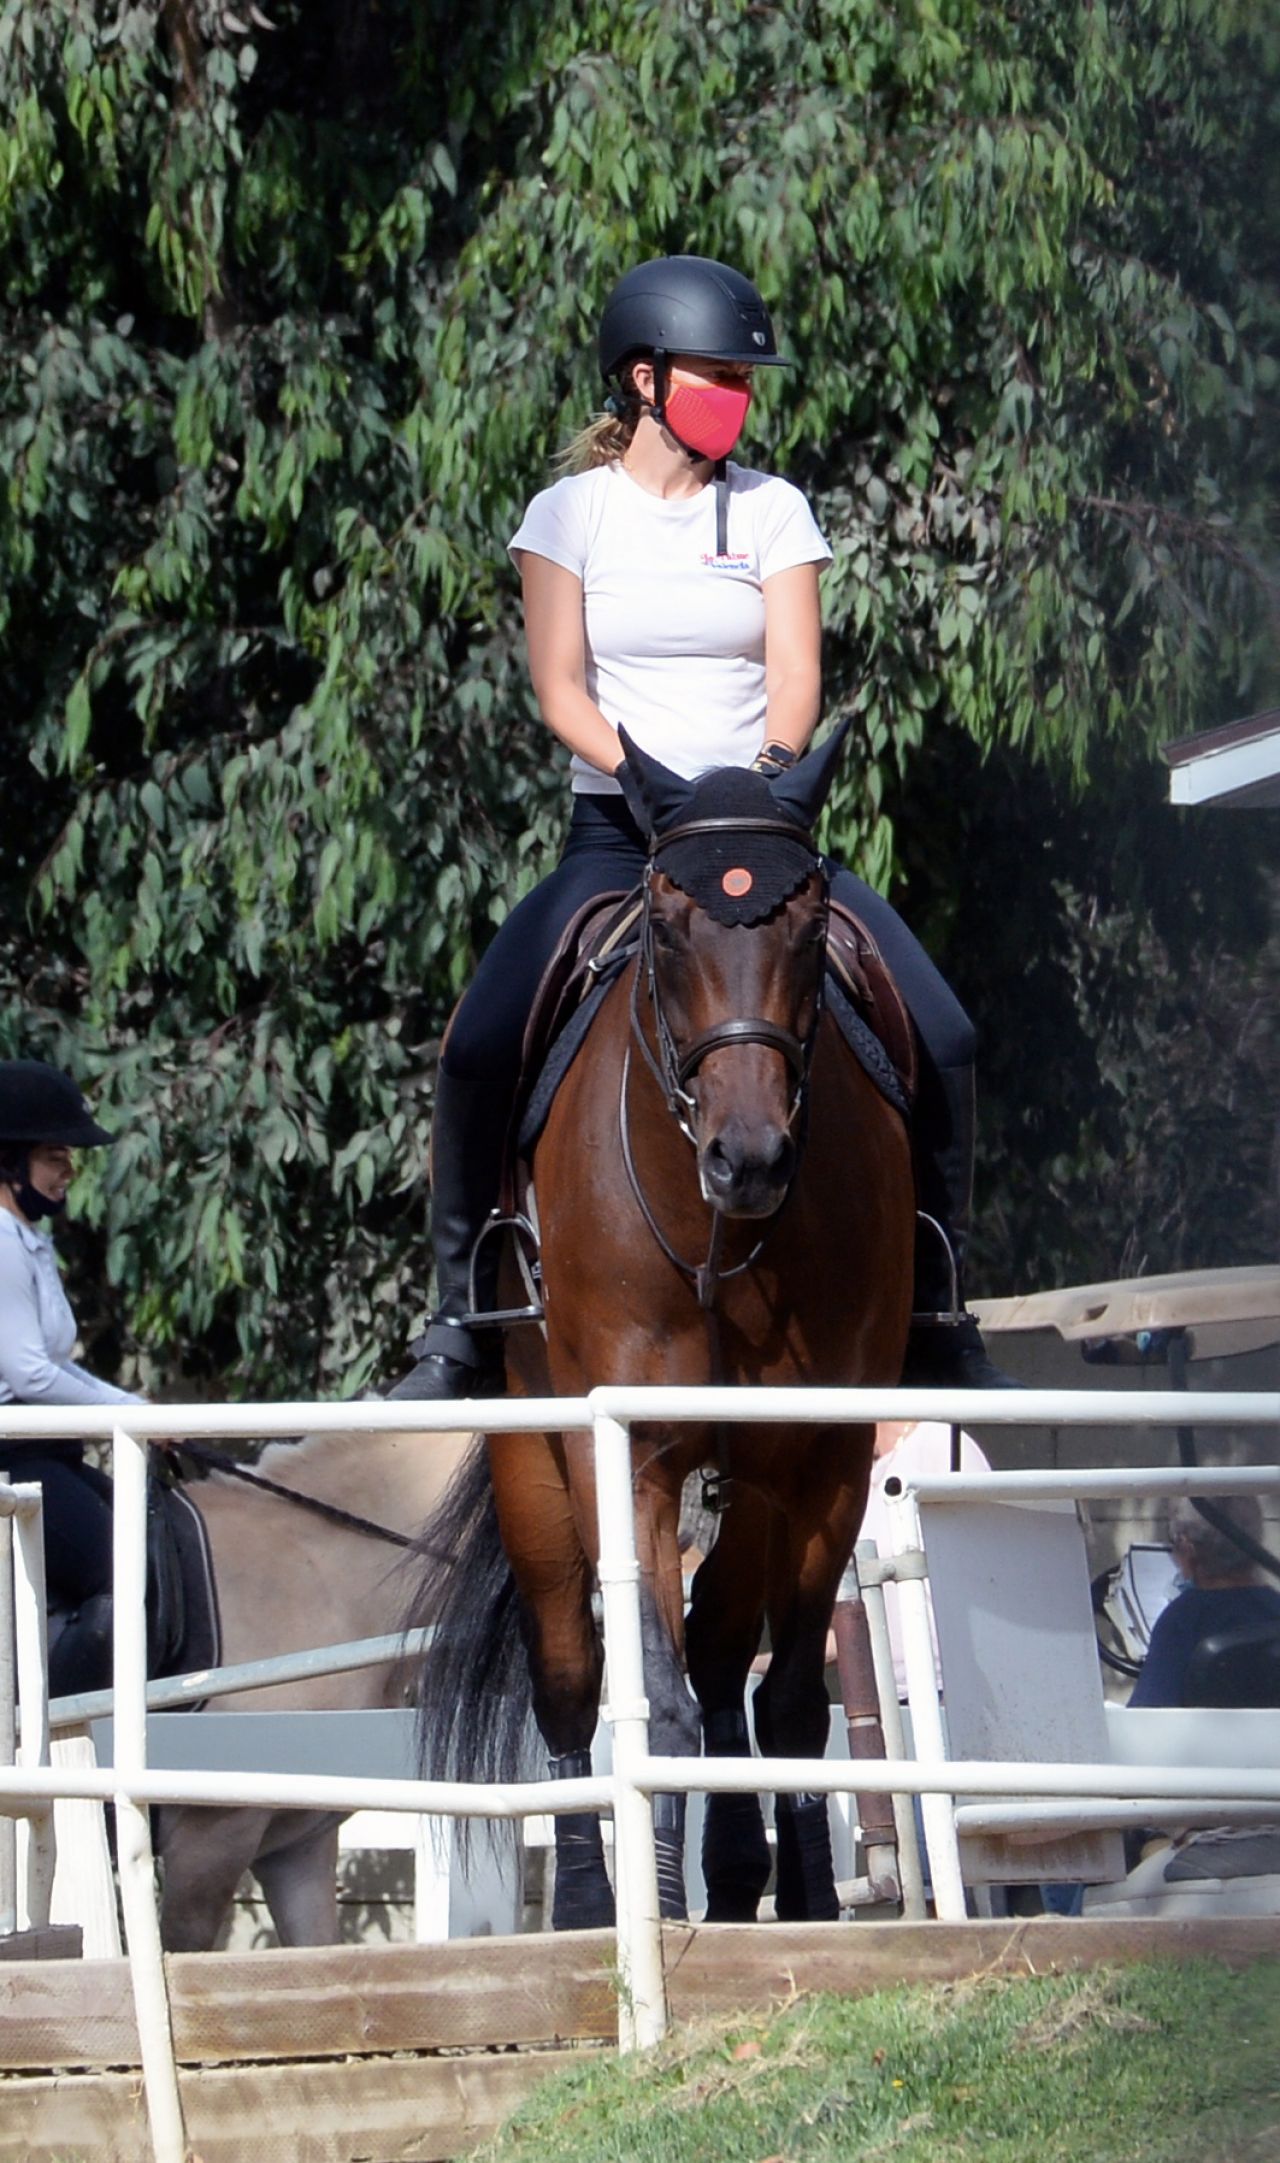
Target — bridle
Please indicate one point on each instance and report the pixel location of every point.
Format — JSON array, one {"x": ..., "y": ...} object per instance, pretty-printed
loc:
[{"x": 674, "y": 1066}]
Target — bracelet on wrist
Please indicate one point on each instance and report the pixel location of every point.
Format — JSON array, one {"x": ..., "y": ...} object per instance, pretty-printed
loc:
[{"x": 774, "y": 758}]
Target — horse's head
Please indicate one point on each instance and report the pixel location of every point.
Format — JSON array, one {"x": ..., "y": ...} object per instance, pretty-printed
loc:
[{"x": 733, "y": 954}]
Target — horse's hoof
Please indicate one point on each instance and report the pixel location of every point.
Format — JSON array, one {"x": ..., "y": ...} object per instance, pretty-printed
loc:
[{"x": 743, "y": 1910}]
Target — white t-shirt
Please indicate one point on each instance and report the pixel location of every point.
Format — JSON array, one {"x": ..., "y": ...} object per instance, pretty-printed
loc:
[
  {"x": 37, "y": 1327},
  {"x": 923, "y": 1452},
  {"x": 674, "y": 633}
]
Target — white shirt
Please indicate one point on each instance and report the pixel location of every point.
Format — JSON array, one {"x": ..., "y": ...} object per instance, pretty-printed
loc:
[
  {"x": 674, "y": 633},
  {"x": 37, "y": 1327},
  {"x": 924, "y": 1450}
]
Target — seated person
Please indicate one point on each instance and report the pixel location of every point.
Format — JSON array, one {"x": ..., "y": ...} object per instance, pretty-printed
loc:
[
  {"x": 43, "y": 1118},
  {"x": 1223, "y": 1589}
]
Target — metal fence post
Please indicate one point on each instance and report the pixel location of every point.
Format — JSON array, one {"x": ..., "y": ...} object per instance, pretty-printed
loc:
[
  {"x": 926, "y": 1712},
  {"x": 910, "y": 1874},
  {"x": 133, "y": 1825},
  {"x": 642, "y": 2010},
  {"x": 32, "y": 1644},
  {"x": 8, "y": 1724}
]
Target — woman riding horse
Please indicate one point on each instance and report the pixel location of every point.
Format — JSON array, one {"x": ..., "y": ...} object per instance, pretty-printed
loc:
[
  {"x": 674, "y": 593},
  {"x": 43, "y": 1118}
]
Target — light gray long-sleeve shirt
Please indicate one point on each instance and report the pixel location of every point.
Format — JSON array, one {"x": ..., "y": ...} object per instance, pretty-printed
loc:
[{"x": 37, "y": 1327}]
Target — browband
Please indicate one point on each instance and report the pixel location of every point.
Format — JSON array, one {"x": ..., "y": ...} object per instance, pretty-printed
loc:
[{"x": 786, "y": 829}]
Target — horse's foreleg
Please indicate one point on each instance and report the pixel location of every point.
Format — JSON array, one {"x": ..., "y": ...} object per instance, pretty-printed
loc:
[
  {"x": 204, "y": 1853},
  {"x": 566, "y": 1696},
  {"x": 673, "y": 1715},
  {"x": 805, "y": 1891},
  {"x": 673, "y": 1732},
  {"x": 792, "y": 1710},
  {"x": 723, "y": 1635},
  {"x": 554, "y": 1576},
  {"x": 300, "y": 1881}
]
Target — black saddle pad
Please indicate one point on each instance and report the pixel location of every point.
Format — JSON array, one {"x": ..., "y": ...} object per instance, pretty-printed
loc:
[
  {"x": 862, "y": 1041},
  {"x": 184, "y": 1631}
]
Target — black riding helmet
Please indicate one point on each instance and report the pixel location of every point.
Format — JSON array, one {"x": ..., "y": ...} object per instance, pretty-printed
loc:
[
  {"x": 686, "y": 304},
  {"x": 40, "y": 1104}
]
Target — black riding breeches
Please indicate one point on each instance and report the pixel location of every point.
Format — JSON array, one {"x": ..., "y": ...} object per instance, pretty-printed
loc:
[
  {"x": 77, "y": 1517},
  {"x": 605, "y": 851}
]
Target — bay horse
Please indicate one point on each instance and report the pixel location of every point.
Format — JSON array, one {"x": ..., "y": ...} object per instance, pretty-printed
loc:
[
  {"x": 723, "y": 1194},
  {"x": 289, "y": 1578}
]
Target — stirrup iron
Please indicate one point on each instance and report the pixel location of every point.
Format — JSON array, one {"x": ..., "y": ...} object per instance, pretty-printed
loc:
[
  {"x": 956, "y": 1313},
  {"x": 530, "y": 1263}
]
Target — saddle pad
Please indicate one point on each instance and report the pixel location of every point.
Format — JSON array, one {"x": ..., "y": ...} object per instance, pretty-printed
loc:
[
  {"x": 197, "y": 1642},
  {"x": 856, "y": 963},
  {"x": 862, "y": 1040},
  {"x": 866, "y": 1047},
  {"x": 559, "y": 1059}
]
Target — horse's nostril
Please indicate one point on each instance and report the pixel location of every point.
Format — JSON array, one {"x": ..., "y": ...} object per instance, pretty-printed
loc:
[
  {"x": 779, "y": 1153},
  {"x": 719, "y": 1168},
  {"x": 748, "y": 1173}
]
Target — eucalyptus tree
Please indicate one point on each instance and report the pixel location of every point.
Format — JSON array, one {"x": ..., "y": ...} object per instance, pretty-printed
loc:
[{"x": 298, "y": 300}]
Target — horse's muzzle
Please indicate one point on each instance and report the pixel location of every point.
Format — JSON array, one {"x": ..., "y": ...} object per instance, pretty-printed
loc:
[{"x": 746, "y": 1173}]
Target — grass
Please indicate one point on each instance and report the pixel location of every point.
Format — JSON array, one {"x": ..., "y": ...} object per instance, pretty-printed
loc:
[{"x": 1166, "y": 2063}]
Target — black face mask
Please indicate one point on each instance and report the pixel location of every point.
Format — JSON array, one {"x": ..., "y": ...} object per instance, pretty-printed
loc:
[{"x": 34, "y": 1204}]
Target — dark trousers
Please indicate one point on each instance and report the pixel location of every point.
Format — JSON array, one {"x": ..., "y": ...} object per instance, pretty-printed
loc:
[
  {"x": 77, "y": 1517},
  {"x": 605, "y": 850},
  {"x": 480, "y": 1069}
]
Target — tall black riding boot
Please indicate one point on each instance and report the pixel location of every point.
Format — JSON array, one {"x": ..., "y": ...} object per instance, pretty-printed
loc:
[
  {"x": 80, "y": 1657},
  {"x": 945, "y": 1347},
  {"x": 468, "y": 1131}
]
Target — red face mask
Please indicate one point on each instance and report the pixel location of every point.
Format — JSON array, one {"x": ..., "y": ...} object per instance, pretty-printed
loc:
[{"x": 709, "y": 418}]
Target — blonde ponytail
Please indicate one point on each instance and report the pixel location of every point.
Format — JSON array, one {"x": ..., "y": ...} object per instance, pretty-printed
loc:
[
  {"x": 602, "y": 442},
  {"x": 606, "y": 439}
]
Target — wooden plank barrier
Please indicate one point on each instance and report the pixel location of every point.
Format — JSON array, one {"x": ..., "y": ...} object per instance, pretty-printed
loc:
[{"x": 289, "y": 2055}]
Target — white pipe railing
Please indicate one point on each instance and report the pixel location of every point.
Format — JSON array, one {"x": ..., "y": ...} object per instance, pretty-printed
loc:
[
  {"x": 134, "y": 1859},
  {"x": 1244, "y": 1784},
  {"x": 175, "y": 1691},
  {"x": 8, "y": 1718},
  {"x": 636, "y": 1776},
  {"x": 512, "y": 1415},
  {"x": 24, "y": 1681}
]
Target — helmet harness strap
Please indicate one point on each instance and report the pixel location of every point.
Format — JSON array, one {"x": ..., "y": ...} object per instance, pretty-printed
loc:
[{"x": 661, "y": 378}]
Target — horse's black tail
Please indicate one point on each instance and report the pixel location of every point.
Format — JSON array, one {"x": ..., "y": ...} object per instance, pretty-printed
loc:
[{"x": 474, "y": 1699}]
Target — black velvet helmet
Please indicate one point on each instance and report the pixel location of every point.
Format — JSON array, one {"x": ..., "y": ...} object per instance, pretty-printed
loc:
[
  {"x": 686, "y": 304},
  {"x": 39, "y": 1104}
]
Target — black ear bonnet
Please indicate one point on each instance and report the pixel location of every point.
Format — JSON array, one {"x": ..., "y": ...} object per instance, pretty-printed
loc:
[{"x": 741, "y": 875}]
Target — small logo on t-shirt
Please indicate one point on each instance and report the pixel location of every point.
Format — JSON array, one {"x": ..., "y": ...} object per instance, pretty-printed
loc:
[{"x": 734, "y": 559}]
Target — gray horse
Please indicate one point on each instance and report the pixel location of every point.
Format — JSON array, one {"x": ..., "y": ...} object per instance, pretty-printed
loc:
[{"x": 288, "y": 1580}]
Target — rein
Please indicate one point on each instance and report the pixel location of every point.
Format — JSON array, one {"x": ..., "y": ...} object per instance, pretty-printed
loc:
[
  {"x": 673, "y": 1069},
  {"x": 215, "y": 1461},
  {"x": 706, "y": 1275}
]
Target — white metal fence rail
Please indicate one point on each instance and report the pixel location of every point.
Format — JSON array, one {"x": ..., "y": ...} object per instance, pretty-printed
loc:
[
  {"x": 24, "y": 1682},
  {"x": 28, "y": 1788}
]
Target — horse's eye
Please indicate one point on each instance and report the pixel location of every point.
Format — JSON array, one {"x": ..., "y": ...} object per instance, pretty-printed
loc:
[{"x": 663, "y": 936}]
